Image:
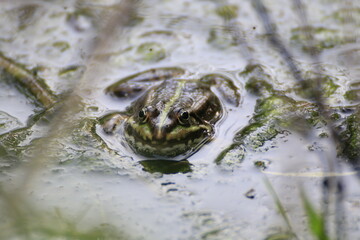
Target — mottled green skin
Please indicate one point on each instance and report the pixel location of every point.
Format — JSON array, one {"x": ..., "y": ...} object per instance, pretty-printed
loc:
[
  {"x": 172, "y": 117},
  {"x": 350, "y": 138}
]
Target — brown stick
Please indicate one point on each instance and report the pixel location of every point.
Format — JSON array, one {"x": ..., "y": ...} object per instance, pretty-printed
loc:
[{"x": 35, "y": 85}]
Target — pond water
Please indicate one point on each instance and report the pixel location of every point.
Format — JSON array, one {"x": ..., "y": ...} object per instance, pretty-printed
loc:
[{"x": 62, "y": 177}]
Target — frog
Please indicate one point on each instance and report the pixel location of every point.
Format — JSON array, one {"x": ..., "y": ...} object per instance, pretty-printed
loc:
[{"x": 171, "y": 116}]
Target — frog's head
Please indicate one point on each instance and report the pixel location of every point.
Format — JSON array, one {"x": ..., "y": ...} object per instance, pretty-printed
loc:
[{"x": 166, "y": 131}]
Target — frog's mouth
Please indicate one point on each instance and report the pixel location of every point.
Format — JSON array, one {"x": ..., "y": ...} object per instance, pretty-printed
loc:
[{"x": 179, "y": 141}]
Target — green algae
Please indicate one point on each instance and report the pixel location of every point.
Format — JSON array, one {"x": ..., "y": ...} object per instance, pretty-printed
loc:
[
  {"x": 321, "y": 37},
  {"x": 314, "y": 83},
  {"x": 220, "y": 37},
  {"x": 347, "y": 16},
  {"x": 273, "y": 115},
  {"x": 78, "y": 145},
  {"x": 151, "y": 52},
  {"x": 62, "y": 46},
  {"x": 8, "y": 122},
  {"x": 227, "y": 12},
  {"x": 351, "y": 138},
  {"x": 258, "y": 82},
  {"x": 352, "y": 95}
]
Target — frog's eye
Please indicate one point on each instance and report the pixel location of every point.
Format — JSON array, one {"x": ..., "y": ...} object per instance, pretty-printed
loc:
[
  {"x": 184, "y": 116},
  {"x": 142, "y": 114}
]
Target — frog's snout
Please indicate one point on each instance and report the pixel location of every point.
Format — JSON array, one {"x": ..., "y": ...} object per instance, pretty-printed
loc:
[{"x": 160, "y": 133}]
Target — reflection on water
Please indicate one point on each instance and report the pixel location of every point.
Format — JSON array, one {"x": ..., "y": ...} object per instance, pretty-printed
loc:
[{"x": 166, "y": 166}]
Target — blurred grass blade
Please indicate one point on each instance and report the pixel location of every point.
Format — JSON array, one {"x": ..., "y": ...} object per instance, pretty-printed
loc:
[
  {"x": 280, "y": 207},
  {"x": 316, "y": 220}
]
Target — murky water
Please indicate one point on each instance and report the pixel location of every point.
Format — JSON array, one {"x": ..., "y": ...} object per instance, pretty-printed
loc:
[{"x": 93, "y": 184}]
